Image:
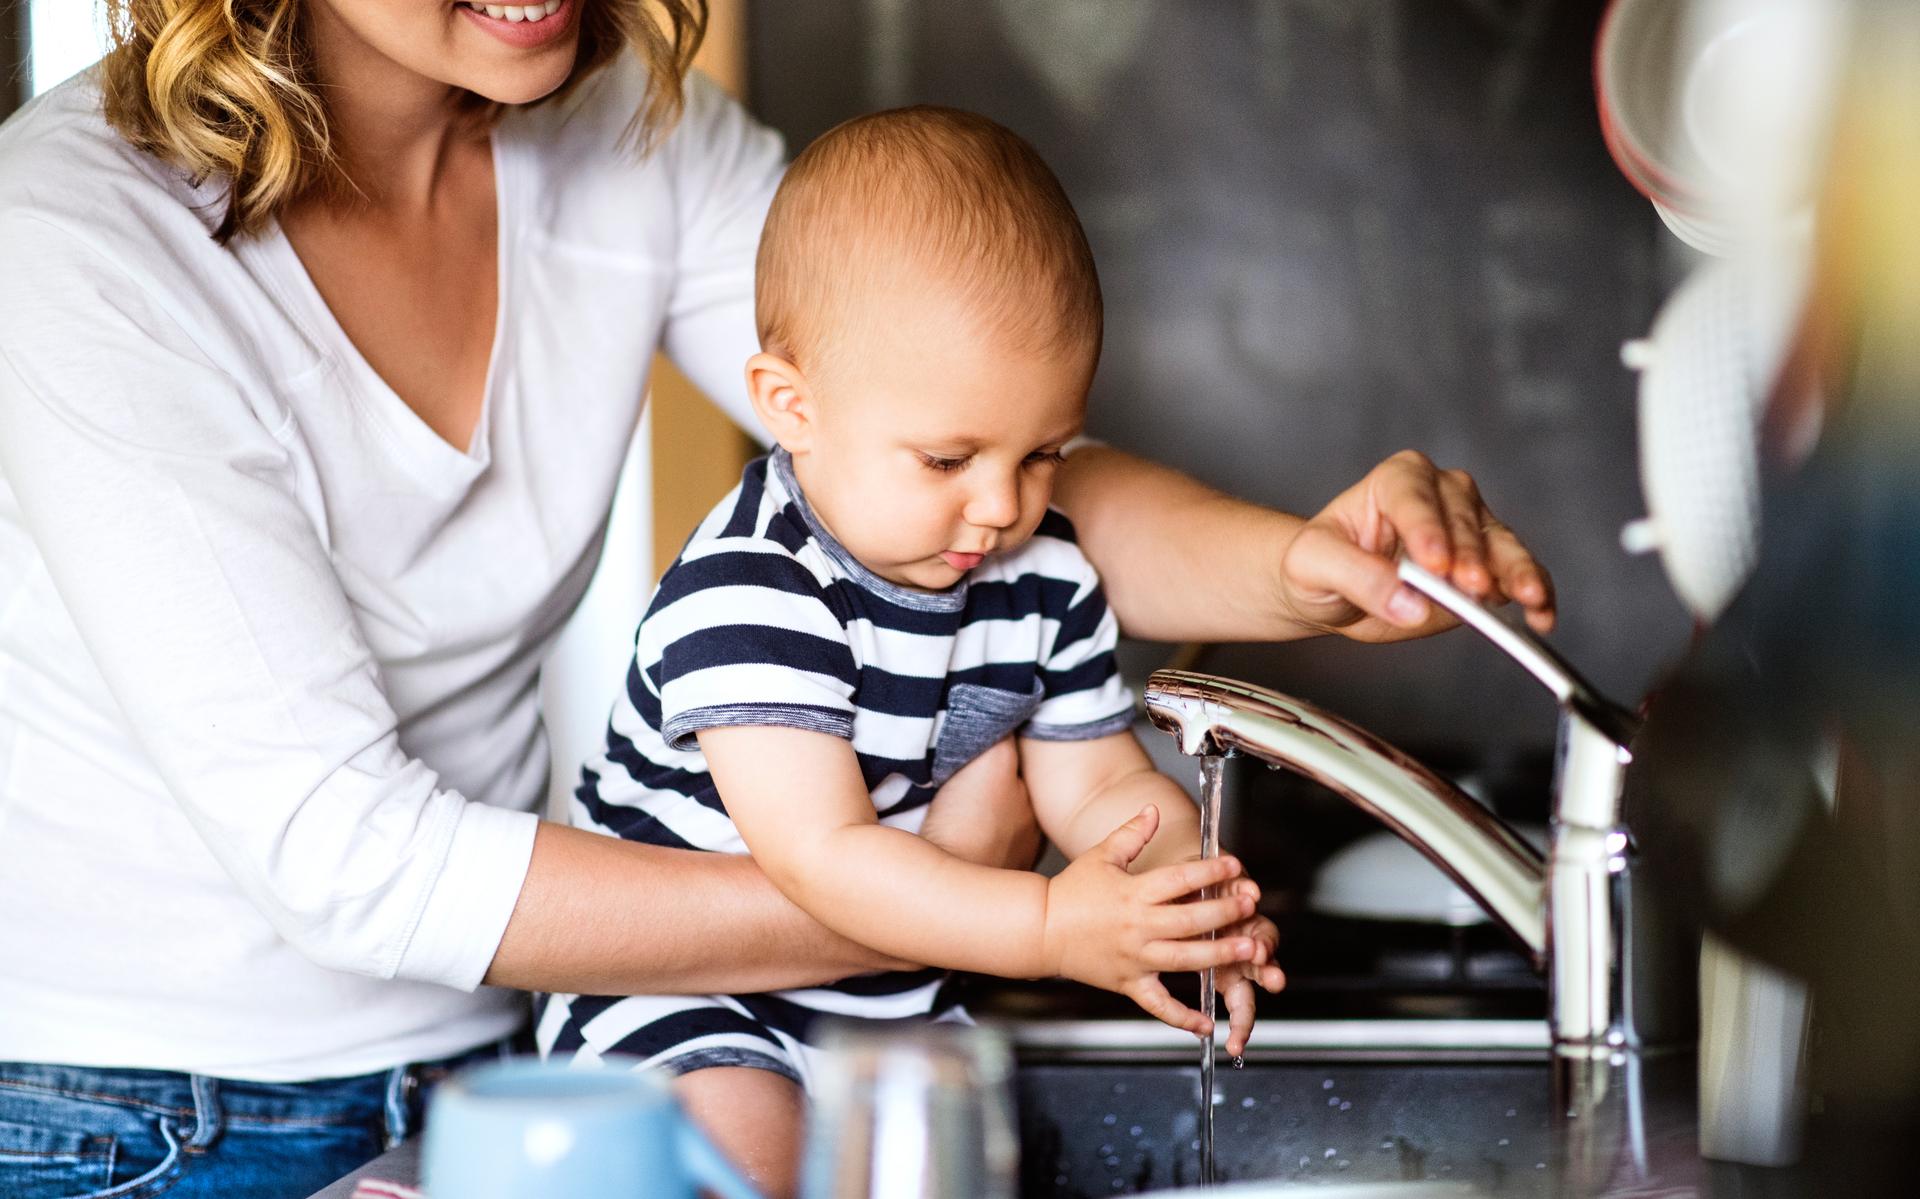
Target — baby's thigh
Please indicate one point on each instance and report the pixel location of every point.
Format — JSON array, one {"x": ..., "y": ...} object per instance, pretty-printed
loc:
[{"x": 755, "y": 1117}]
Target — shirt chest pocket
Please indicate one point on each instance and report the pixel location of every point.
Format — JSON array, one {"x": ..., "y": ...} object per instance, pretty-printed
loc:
[{"x": 977, "y": 718}]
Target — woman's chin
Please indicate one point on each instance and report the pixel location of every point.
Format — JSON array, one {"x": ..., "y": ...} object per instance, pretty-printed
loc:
[{"x": 523, "y": 83}]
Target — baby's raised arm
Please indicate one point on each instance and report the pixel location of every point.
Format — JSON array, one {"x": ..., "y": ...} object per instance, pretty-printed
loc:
[{"x": 799, "y": 802}]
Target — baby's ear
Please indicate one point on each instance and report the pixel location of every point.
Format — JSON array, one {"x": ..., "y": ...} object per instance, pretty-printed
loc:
[{"x": 783, "y": 400}]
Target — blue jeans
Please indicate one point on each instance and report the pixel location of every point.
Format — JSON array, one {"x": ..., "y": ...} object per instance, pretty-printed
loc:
[{"x": 76, "y": 1132}]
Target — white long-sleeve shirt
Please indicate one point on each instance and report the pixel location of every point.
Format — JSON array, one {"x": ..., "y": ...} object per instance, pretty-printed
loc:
[{"x": 269, "y": 646}]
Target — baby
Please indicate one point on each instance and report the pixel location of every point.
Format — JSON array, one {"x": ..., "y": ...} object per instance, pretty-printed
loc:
[{"x": 883, "y": 599}]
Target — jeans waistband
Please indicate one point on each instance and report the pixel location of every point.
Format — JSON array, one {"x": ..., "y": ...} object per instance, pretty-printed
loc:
[{"x": 395, "y": 1098}]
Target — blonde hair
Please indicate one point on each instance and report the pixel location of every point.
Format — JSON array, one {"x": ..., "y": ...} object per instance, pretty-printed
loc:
[
  {"x": 225, "y": 90},
  {"x": 944, "y": 191}
]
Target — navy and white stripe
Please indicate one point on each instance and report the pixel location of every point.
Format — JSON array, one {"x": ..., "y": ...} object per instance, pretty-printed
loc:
[{"x": 765, "y": 619}]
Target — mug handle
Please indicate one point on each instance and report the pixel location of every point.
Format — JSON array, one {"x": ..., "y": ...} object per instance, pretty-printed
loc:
[{"x": 707, "y": 1165}]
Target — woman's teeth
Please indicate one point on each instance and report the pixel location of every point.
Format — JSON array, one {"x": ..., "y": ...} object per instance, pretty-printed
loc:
[{"x": 518, "y": 12}]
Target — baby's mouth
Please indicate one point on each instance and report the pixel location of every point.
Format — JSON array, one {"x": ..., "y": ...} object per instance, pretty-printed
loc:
[{"x": 960, "y": 561}]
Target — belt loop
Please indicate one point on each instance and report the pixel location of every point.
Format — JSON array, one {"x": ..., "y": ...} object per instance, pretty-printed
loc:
[
  {"x": 402, "y": 1085},
  {"x": 208, "y": 1117}
]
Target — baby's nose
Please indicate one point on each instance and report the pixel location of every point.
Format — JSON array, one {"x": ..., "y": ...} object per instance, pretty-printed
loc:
[{"x": 995, "y": 506}]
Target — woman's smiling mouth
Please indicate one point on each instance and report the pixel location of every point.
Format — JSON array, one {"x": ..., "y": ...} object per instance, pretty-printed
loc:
[
  {"x": 525, "y": 26},
  {"x": 517, "y": 12}
]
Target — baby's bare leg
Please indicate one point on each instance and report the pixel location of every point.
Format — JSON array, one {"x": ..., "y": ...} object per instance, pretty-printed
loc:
[{"x": 755, "y": 1117}]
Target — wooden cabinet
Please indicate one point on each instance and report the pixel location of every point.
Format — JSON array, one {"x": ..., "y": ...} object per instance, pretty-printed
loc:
[{"x": 697, "y": 450}]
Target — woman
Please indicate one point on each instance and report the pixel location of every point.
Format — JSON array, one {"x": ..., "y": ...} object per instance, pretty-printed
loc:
[{"x": 323, "y": 327}]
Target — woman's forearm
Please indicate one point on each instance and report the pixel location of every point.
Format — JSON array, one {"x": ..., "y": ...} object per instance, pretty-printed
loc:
[
  {"x": 602, "y": 916},
  {"x": 1140, "y": 524}
]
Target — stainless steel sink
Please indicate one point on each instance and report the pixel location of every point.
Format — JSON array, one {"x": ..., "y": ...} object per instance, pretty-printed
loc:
[
  {"x": 1284, "y": 1041},
  {"x": 1111, "y": 1107},
  {"x": 1107, "y": 1128}
]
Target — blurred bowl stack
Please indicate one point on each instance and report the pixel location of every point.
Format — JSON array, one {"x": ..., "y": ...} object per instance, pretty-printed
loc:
[{"x": 1719, "y": 112}]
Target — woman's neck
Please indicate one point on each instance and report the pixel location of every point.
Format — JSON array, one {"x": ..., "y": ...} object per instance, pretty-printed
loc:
[{"x": 393, "y": 130}]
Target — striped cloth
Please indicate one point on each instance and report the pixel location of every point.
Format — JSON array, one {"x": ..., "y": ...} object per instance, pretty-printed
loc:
[{"x": 765, "y": 619}]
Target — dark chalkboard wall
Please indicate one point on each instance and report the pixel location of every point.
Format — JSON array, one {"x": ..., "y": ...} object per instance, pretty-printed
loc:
[
  {"x": 1327, "y": 230},
  {"x": 13, "y": 55}
]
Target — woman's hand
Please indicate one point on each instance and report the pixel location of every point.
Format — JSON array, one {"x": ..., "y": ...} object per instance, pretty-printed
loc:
[
  {"x": 983, "y": 814},
  {"x": 1338, "y": 571},
  {"x": 1183, "y": 562}
]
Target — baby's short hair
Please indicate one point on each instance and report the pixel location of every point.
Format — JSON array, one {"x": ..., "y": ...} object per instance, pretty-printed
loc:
[{"x": 924, "y": 193}]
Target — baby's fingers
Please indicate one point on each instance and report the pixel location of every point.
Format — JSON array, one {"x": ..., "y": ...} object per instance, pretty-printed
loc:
[
  {"x": 1177, "y": 957},
  {"x": 1265, "y": 935},
  {"x": 1184, "y": 878},
  {"x": 1239, "y": 997},
  {"x": 1178, "y": 920},
  {"x": 1154, "y": 999}
]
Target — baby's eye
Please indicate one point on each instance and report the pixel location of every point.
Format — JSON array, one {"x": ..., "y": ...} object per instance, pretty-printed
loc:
[
  {"x": 1038, "y": 457},
  {"x": 942, "y": 464}
]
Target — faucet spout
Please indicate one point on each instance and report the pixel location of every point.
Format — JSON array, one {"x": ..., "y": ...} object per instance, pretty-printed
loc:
[
  {"x": 1568, "y": 910},
  {"x": 1491, "y": 863}
]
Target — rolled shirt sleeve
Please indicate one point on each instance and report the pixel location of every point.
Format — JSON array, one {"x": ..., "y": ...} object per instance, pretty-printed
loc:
[
  {"x": 1084, "y": 696},
  {"x": 188, "y": 550}
]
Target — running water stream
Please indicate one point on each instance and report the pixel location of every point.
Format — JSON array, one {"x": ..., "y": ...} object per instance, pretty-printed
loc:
[{"x": 1209, "y": 848}]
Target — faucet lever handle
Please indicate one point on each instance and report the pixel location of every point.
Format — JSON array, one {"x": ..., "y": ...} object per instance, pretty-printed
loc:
[{"x": 1523, "y": 646}]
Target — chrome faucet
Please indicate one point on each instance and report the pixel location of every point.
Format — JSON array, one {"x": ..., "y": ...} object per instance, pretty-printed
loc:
[{"x": 1569, "y": 910}]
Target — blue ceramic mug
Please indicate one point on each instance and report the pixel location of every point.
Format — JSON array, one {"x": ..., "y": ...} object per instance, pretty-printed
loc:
[{"x": 523, "y": 1128}]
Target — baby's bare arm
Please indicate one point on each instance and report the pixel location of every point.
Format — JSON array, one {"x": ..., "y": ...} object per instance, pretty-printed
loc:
[
  {"x": 804, "y": 811},
  {"x": 1082, "y": 789},
  {"x": 801, "y": 805}
]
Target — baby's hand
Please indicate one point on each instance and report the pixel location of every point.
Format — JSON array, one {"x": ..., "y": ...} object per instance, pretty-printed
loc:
[
  {"x": 1119, "y": 931},
  {"x": 1237, "y": 980}
]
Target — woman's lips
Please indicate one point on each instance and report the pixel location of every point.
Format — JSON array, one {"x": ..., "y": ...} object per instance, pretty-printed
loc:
[
  {"x": 523, "y": 33},
  {"x": 962, "y": 561}
]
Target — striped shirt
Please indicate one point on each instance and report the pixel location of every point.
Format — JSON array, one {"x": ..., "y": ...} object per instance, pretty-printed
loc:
[{"x": 765, "y": 619}]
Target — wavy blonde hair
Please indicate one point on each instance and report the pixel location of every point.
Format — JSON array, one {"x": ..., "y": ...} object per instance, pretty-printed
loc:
[{"x": 225, "y": 89}]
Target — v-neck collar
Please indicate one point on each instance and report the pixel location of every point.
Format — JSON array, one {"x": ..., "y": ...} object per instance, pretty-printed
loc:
[{"x": 288, "y": 276}]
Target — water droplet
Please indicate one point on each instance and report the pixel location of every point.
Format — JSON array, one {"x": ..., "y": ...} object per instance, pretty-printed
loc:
[
  {"x": 1135, "y": 1131},
  {"x": 1109, "y": 1119},
  {"x": 1237, "y": 1062},
  {"x": 1327, "y": 1085},
  {"x": 1387, "y": 1144},
  {"x": 1332, "y": 1153},
  {"x": 1506, "y": 1140},
  {"x": 1333, "y": 1101},
  {"x": 1539, "y": 1165},
  {"x": 1106, "y": 1151},
  {"x": 1059, "y": 1180},
  {"x": 1119, "y": 1088},
  {"x": 1194, "y": 1144},
  {"x": 1305, "y": 1162},
  {"x": 1113, "y": 1162},
  {"x": 1512, "y": 1112},
  {"x": 1346, "y": 1105},
  {"x": 1249, "y": 1101},
  {"x": 1119, "y": 1184},
  {"x": 1343, "y": 1163},
  {"x": 1219, "y": 1097}
]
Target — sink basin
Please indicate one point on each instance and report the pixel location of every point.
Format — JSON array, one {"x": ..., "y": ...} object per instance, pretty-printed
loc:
[
  {"x": 1411, "y": 1107},
  {"x": 1097, "y": 1128}
]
